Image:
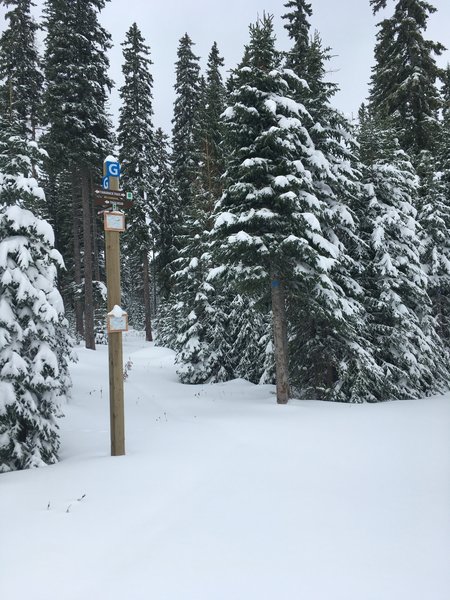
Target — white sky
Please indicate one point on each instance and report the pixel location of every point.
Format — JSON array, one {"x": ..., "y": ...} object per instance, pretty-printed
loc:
[{"x": 348, "y": 26}]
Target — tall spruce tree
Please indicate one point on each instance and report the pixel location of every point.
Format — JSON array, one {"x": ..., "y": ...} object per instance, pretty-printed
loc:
[
  {"x": 20, "y": 73},
  {"x": 137, "y": 156},
  {"x": 267, "y": 228},
  {"x": 434, "y": 218},
  {"x": 403, "y": 333},
  {"x": 298, "y": 26},
  {"x": 187, "y": 142},
  {"x": 79, "y": 129},
  {"x": 330, "y": 356},
  {"x": 212, "y": 151},
  {"x": 203, "y": 306},
  {"x": 403, "y": 83},
  {"x": 435, "y": 221},
  {"x": 165, "y": 215},
  {"x": 185, "y": 156}
]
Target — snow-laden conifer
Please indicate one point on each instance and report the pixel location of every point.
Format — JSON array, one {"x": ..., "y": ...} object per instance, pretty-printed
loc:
[
  {"x": 137, "y": 157},
  {"x": 298, "y": 26},
  {"x": 165, "y": 218},
  {"x": 329, "y": 353},
  {"x": 434, "y": 218},
  {"x": 267, "y": 228},
  {"x": 204, "y": 324},
  {"x": 32, "y": 378},
  {"x": 402, "y": 330},
  {"x": 20, "y": 70},
  {"x": 249, "y": 335},
  {"x": 79, "y": 135},
  {"x": 403, "y": 83},
  {"x": 185, "y": 157},
  {"x": 202, "y": 342},
  {"x": 34, "y": 344}
]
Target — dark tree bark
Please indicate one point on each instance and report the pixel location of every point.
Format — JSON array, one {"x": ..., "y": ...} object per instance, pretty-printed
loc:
[
  {"x": 78, "y": 306},
  {"x": 88, "y": 266},
  {"x": 147, "y": 301},
  {"x": 95, "y": 235},
  {"x": 280, "y": 340}
]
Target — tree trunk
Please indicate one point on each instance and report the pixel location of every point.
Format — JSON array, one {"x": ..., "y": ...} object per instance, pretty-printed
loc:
[
  {"x": 280, "y": 340},
  {"x": 154, "y": 290},
  {"x": 78, "y": 306},
  {"x": 88, "y": 266},
  {"x": 95, "y": 235},
  {"x": 147, "y": 302}
]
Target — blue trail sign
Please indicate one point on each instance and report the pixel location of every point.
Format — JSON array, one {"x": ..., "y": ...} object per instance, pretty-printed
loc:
[{"x": 112, "y": 169}]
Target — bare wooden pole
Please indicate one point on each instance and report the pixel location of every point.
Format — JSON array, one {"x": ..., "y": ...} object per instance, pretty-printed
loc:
[{"x": 116, "y": 397}]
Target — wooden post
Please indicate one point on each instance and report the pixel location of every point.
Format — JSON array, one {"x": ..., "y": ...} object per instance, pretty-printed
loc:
[{"x": 116, "y": 398}]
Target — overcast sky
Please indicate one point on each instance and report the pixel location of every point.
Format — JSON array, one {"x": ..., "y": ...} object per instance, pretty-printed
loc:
[{"x": 348, "y": 26}]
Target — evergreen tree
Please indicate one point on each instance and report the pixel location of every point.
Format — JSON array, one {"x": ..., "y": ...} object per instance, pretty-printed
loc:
[
  {"x": 212, "y": 159},
  {"x": 203, "y": 319},
  {"x": 298, "y": 26},
  {"x": 79, "y": 130},
  {"x": 329, "y": 353},
  {"x": 136, "y": 141},
  {"x": 435, "y": 221},
  {"x": 406, "y": 344},
  {"x": 19, "y": 160},
  {"x": 267, "y": 229},
  {"x": 201, "y": 355},
  {"x": 165, "y": 215},
  {"x": 34, "y": 344},
  {"x": 446, "y": 92},
  {"x": 20, "y": 74},
  {"x": 249, "y": 334},
  {"x": 185, "y": 157},
  {"x": 403, "y": 83}
]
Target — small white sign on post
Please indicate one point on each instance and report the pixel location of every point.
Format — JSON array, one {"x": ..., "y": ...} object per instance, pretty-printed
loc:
[
  {"x": 117, "y": 320},
  {"x": 114, "y": 221}
]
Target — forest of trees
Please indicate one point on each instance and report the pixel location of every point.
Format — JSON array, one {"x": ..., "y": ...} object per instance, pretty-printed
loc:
[{"x": 270, "y": 238}]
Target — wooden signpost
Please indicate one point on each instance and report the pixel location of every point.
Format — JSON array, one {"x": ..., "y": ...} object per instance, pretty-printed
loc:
[{"x": 113, "y": 198}]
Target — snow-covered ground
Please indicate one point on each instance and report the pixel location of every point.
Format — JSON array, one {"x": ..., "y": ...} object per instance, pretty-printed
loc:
[{"x": 224, "y": 495}]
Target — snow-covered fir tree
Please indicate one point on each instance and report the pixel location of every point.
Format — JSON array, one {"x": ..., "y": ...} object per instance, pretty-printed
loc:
[
  {"x": 329, "y": 352},
  {"x": 403, "y": 83},
  {"x": 165, "y": 215},
  {"x": 185, "y": 157},
  {"x": 407, "y": 346},
  {"x": 268, "y": 222},
  {"x": 19, "y": 160},
  {"x": 211, "y": 147},
  {"x": 20, "y": 74},
  {"x": 187, "y": 142},
  {"x": 79, "y": 129},
  {"x": 249, "y": 337},
  {"x": 137, "y": 157},
  {"x": 434, "y": 218},
  {"x": 34, "y": 344},
  {"x": 298, "y": 26},
  {"x": 202, "y": 349}
]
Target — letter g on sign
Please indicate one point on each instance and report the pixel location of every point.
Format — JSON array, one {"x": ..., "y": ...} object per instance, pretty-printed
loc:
[{"x": 113, "y": 169}]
